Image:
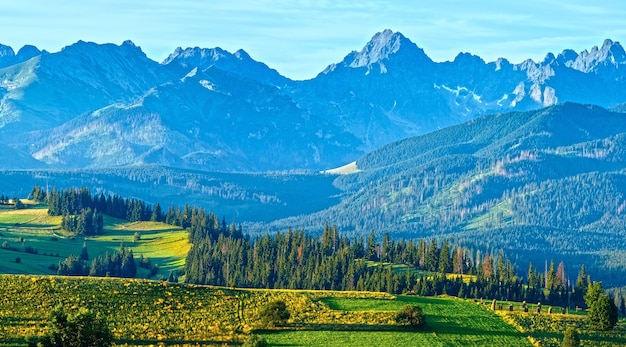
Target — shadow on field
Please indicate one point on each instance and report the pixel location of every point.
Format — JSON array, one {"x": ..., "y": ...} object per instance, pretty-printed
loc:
[
  {"x": 337, "y": 327},
  {"x": 26, "y": 226},
  {"x": 429, "y": 327},
  {"x": 13, "y": 320},
  {"x": 181, "y": 343},
  {"x": 203, "y": 343},
  {"x": 454, "y": 329}
]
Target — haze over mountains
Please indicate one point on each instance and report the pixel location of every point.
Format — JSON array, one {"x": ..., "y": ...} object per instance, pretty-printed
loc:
[{"x": 102, "y": 105}]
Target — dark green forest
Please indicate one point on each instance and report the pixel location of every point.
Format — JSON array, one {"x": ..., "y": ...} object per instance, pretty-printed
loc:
[
  {"x": 546, "y": 184},
  {"x": 330, "y": 261},
  {"x": 222, "y": 254}
]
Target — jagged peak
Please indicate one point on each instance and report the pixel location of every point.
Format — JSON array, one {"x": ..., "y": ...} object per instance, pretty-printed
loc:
[
  {"x": 6, "y": 51},
  {"x": 609, "y": 53},
  {"x": 549, "y": 58},
  {"x": 211, "y": 54},
  {"x": 567, "y": 55},
  {"x": 382, "y": 45}
]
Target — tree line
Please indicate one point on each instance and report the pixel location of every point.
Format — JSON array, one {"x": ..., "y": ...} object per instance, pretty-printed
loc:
[
  {"x": 76, "y": 202},
  {"x": 119, "y": 264},
  {"x": 15, "y": 201},
  {"x": 222, "y": 255},
  {"x": 330, "y": 261}
]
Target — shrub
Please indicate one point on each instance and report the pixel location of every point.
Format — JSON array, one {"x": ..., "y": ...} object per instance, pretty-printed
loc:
[
  {"x": 255, "y": 341},
  {"x": 18, "y": 260},
  {"x": 570, "y": 338},
  {"x": 274, "y": 314},
  {"x": 83, "y": 329},
  {"x": 411, "y": 315}
]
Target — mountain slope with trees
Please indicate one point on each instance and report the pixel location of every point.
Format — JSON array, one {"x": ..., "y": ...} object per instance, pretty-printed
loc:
[{"x": 541, "y": 184}]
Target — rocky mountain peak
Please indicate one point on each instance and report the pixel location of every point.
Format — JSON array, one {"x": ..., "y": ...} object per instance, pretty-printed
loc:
[
  {"x": 196, "y": 56},
  {"x": 568, "y": 55},
  {"x": 238, "y": 63},
  {"x": 609, "y": 53},
  {"x": 381, "y": 47}
]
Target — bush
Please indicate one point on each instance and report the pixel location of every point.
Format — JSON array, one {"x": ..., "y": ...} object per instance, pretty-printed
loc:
[
  {"x": 411, "y": 315},
  {"x": 83, "y": 329},
  {"x": 570, "y": 338},
  {"x": 18, "y": 260},
  {"x": 255, "y": 341},
  {"x": 274, "y": 314},
  {"x": 31, "y": 250}
]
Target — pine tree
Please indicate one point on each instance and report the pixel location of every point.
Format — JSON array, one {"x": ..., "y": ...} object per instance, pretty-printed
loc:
[
  {"x": 157, "y": 213},
  {"x": 370, "y": 253},
  {"x": 84, "y": 255},
  {"x": 551, "y": 276},
  {"x": 431, "y": 263},
  {"x": 444, "y": 258}
]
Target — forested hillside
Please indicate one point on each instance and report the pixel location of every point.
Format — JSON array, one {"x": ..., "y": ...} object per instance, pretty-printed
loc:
[{"x": 542, "y": 184}]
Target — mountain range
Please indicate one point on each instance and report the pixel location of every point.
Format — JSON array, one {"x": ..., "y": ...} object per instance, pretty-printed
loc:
[
  {"x": 103, "y": 105},
  {"x": 528, "y": 157}
]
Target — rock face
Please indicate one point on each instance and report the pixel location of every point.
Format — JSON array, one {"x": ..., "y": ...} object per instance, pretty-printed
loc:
[{"x": 101, "y": 105}]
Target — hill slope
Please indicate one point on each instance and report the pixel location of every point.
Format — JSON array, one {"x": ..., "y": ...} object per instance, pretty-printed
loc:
[{"x": 547, "y": 184}]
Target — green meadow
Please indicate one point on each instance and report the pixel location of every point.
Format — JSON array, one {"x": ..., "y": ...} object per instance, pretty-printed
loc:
[
  {"x": 32, "y": 228},
  {"x": 449, "y": 322}
]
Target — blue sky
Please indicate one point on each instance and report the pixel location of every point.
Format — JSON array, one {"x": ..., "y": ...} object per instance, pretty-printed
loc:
[{"x": 300, "y": 38}]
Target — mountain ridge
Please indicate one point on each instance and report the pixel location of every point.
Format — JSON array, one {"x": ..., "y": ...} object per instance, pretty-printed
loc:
[{"x": 387, "y": 91}]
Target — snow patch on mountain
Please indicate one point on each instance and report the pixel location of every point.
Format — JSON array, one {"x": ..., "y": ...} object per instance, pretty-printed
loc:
[{"x": 208, "y": 85}]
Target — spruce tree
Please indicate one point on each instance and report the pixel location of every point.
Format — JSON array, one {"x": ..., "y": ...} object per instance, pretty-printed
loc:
[{"x": 602, "y": 313}]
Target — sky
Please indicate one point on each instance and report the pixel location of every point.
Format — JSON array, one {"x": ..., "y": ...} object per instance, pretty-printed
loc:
[{"x": 299, "y": 38}]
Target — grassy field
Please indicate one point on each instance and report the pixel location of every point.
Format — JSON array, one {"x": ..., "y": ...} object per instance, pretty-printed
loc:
[
  {"x": 144, "y": 312},
  {"x": 449, "y": 322},
  {"x": 164, "y": 244},
  {"x": 547, "y": 330}
]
